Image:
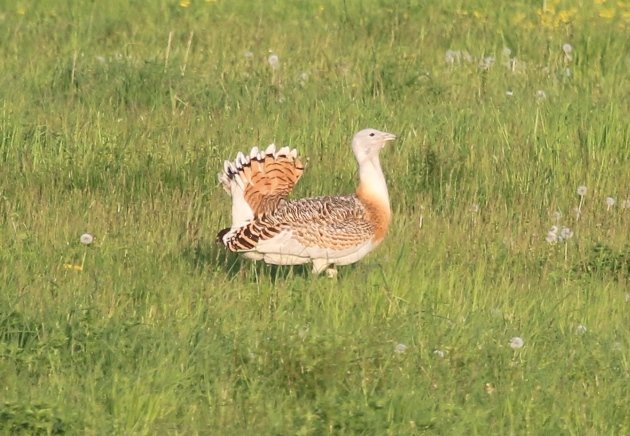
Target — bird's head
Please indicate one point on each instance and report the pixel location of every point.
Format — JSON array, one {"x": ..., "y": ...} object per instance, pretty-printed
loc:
[{"x": 367, "y": 143}]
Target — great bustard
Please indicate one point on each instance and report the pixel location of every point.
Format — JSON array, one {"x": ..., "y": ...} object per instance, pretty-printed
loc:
[{"x": 330, "y": 230}]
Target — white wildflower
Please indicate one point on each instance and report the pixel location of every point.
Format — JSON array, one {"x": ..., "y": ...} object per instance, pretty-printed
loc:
[
  {"x": 509, "y": 93},
  {"x": 439, "y": 353},
  {"x": 274, "y": 61},
  {"x": 487, "y": 62},
  {"x": 581, "y": 191},
  {"x": 86, "y": 239},
  {"x": 400, "y": 348},
  {"x": 581, "y": 329},
  {"x": 452, "y": 56},
  {"x": 566, "y": 233},
  {"x": 551, "y": 237},
  {"x": 517, "y": 343},
  {"x": 567, "y": 48}
]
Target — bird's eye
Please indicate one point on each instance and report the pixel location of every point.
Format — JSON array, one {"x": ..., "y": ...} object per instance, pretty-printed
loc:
[{"x": 372, "y": 134}]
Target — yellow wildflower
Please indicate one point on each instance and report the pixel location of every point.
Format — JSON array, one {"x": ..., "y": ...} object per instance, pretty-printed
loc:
[
  {"x": 518, "y": 17},
  {"x": 184, "y": 3},
  {"x": 73, "y": 267},
  {"x": 607, "y": 13},
  {"x": 566, "y": 16}
]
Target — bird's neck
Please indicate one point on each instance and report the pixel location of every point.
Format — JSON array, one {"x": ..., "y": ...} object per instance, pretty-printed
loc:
[{"x": 372, "y": 192}]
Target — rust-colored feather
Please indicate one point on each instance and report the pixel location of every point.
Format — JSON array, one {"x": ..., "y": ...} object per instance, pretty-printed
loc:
[
  {"x": 378, "y": 212},
  {"x": 272, "y": 182}
]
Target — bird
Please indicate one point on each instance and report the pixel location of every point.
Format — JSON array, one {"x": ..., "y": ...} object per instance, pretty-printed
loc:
[{"x": 327, "y": 231}]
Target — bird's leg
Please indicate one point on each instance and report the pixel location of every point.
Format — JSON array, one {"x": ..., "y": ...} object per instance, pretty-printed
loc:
[
  {"x": 319, "y": 265},
  {"x": 331, "y": 272}
]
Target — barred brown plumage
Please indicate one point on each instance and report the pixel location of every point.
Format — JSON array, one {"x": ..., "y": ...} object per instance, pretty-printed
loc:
[{"x": 324, "y": 230}]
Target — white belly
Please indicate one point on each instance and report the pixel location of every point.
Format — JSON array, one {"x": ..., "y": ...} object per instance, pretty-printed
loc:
[{"x": 283, "y": 249}]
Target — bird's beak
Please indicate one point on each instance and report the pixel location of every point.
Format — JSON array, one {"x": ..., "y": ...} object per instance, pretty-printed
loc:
[{"x": 388, "y": 137}]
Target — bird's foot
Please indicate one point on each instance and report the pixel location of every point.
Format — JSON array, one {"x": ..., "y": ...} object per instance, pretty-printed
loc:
[{"x": 331, "y": 273}]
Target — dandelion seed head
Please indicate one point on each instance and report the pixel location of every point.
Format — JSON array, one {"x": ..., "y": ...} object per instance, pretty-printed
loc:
[
  {"x": 487, "y": 62},
  {"x": 610, "y": 202},
  {"x": 551, "y": 238},
  {"x": 274, "y": 61},
  {"x": 506, "y": 52},
  {"x": 581, "y": 190},
  {"x": 541, "y": 95},
  {"x": 517, "y": 343},
  {"x": 565, "y": 233},
  {"x": 86, "y": 239},
  {"x": 581, "y": 329},
  {"x": 400, "y": 348},
  {"x": 553, "y": 229},
  {"x": 439, "y": 353},
  {"x": 567, "y": 48},
  {"x": 451, "y": 56}
]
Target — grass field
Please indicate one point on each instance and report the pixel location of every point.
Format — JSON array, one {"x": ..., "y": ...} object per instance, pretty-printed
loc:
[{"x": 473, "y": 317}]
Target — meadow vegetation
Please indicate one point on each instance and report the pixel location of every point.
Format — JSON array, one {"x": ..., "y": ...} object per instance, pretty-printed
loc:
[{"x": 476, "y": 315}]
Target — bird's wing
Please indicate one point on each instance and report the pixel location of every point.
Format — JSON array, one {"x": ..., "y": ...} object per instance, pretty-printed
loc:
[{"x": 329, "y": 223}]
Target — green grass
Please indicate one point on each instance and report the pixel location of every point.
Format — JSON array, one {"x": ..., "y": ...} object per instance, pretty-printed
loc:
[{"x": 107, "y": 127}]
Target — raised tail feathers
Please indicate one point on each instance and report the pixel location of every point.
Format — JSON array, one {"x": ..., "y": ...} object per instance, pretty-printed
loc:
[{"x": 258, "y": 181}]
